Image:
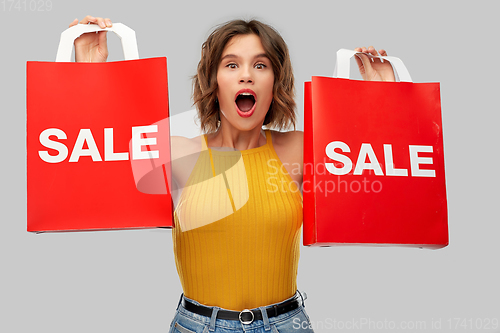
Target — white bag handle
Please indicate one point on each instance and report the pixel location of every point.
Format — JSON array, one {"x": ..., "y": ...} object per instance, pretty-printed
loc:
[
  {"x": 343, "y": 64},
  {"x": 68, "y": 36}
]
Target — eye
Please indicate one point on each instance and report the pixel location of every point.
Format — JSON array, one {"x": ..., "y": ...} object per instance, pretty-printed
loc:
[
  {"x": 232, "y": 65},
  {"x": 260, "y": 66}
]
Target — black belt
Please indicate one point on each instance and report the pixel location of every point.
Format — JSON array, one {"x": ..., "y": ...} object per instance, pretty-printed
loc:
[{"x": 245, "y": 316}]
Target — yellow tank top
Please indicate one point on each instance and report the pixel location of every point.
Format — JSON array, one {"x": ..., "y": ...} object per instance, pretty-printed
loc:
[{"x": 237, "y": 229}]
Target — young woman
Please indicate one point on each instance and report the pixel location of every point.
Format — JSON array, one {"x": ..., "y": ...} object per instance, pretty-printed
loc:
[{"x": 239, "y": 214}]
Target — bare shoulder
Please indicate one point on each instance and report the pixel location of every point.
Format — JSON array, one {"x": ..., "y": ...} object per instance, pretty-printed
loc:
[
  {"x": 288, "y": 140},
  {"x": 289, "y": 145},
  {"x": 182, "y": 146},
  {"x": 289, "y": 148}
]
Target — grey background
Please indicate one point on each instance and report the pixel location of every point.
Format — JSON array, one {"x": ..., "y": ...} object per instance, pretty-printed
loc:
[{"x": 126, "y": 281}]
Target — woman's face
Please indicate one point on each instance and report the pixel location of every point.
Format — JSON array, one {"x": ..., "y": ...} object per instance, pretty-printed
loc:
[{"x": 245, "y": 81}]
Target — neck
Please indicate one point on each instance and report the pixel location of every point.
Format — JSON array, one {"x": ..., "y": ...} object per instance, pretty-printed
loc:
[{"x": 226, "y": 136}]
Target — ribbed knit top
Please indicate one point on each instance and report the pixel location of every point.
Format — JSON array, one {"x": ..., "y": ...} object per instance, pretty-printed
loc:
[{"x": 237, "y": 229}]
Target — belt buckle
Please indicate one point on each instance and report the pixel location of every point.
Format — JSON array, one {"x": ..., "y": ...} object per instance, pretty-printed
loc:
[{"x": 246, "y": 322}]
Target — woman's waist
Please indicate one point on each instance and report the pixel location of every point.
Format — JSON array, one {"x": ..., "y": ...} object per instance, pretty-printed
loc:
[{"x": 240, "y": 302}]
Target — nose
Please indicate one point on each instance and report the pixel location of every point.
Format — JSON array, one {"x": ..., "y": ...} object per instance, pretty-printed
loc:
[{"x": 246, "y": 75}]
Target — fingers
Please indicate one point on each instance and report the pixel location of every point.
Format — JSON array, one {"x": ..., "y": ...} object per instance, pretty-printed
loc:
[
  {"x": 101, "y": 22},
  {"x": 88, "y": 19},
  {"x": 371, "y": 66},
  {"x": 108, "y": 23},
  {"x": 103, "y": 41},
  {"x": 360, "y": 60},
  {"x": 92, "y": 47},
  {"x": 372, "y": 51},
  {"x": 75, "y": 22}
]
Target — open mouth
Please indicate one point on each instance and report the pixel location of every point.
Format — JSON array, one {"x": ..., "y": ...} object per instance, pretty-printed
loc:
[{"x": 245, "y": 102}]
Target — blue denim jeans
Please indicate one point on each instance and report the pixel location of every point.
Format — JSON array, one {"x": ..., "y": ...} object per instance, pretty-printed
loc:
[{"x": 188, "y": 322}]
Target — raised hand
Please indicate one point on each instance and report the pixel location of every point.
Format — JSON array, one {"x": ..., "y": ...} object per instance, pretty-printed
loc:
[
  {"x": 374, "y": 69},
  {"x": 93, "y": 46}
]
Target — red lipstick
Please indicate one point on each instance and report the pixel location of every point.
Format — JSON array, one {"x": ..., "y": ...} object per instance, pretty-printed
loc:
[{"x": 243, "y": 101}]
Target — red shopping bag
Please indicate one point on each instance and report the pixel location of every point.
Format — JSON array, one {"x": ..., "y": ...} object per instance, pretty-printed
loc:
[
  {"x": 373, "y": 161},
  {"x": 86, "y": 124}
]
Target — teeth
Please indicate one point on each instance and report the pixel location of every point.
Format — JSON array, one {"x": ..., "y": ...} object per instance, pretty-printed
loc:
[{"x": 246, "y": 94}]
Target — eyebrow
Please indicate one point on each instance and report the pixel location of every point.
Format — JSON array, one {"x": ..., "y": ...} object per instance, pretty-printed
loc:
[{"x": 262, "y": 55}]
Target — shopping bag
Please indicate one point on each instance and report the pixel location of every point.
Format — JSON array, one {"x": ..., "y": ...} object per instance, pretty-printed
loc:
[
  {"x": 86, "y": 124},
  {"x": 373, "y": 161}
]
